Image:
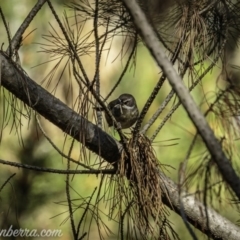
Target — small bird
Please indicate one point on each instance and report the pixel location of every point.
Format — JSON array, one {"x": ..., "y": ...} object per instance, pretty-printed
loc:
[{"x": 124, "y": 109}]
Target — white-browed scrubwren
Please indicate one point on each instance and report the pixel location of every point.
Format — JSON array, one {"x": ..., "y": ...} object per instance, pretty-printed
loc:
[{"x": 124, "y": 109}]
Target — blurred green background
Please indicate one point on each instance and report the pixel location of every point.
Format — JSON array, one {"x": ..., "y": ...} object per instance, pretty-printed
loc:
[{"x": 36, "y": 200}]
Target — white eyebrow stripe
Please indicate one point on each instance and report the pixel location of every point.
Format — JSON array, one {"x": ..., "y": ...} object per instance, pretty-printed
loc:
[{"x": 127, "y": 107}]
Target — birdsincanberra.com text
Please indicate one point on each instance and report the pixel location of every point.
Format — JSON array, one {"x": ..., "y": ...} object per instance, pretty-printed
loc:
[{"x": 24, "y": 232}]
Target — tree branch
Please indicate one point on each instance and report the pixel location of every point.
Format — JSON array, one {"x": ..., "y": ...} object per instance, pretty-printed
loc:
[
  {"x": 213, "y": 145},
  {"x": 207, "y": 220},
  {"x": 25, "y": 89}
]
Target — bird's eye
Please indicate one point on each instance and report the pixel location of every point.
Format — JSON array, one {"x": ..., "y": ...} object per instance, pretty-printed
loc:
[{"x": 126, "y": 101}]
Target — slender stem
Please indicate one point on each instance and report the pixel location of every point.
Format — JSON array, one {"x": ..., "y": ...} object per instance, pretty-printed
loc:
[
  {"x": 15, "y": 43},
  {"x": 56, "y": 171}
]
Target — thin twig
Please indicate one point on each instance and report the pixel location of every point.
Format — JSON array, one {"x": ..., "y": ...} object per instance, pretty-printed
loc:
[
  {"x": 57, "y": 171},
  {"x": 85, "y": 212},
  {"x": 8, "y": 32},
  {"x": 15, "y": 43},
  {"x": 96, "y": 78},
  {"x": 4, "y": 184},
  {"x": 70, "y": 207}
]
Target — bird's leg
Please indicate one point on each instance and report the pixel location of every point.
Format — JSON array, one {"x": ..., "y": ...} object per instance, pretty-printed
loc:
[{"x": 118, "y": 125}]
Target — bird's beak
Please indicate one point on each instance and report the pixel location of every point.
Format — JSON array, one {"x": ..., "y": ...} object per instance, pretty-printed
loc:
[
  {"x": 120, "y": 105},
  {"x": 121, "y": 108}
]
